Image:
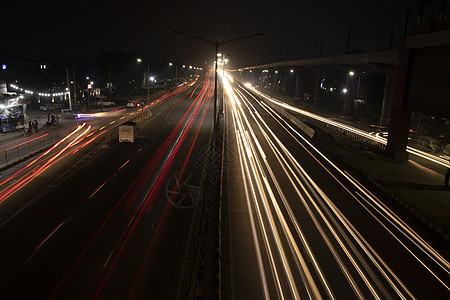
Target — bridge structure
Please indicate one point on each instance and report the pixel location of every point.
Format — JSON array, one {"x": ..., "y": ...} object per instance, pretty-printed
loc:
[{"x": 416, "y": 78}]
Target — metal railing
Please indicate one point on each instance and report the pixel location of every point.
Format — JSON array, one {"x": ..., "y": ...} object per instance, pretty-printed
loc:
[
  {"x": 32, "y": 146},
  {"x": 26, "y": 149}
]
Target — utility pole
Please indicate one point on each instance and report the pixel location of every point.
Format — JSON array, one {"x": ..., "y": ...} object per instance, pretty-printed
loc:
[
  {"x": 68, "y": 87},
  {"x": 348, "y": 38},
  {"x": 109, "y": 83},
  {"x": 74, "y": 86},
  {"x": 406, "y": 20},
  {"x": 392, "y": 38},
  {"x": 314, "y": 51}
]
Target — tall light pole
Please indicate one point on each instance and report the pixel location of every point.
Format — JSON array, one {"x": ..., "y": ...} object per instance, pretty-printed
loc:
[
  {"x": 351, "y": 73},
  {"x": 139, "y": 60},
  {"x": 216, "y": 44}
]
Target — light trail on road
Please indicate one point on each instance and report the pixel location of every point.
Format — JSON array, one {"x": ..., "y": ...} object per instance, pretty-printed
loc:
[
  {"x": 275, "y": 223},
  {"x": 368, "y": 135},
  {"x": 32, "y": 170},
  {"x": 140, "y": 197},
  {"x": 28, "y": 173}
]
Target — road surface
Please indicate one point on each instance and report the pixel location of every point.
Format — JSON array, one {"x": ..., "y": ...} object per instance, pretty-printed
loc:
[
  {"x": 299, "y": 225},
  {"x": 84, "y": 220}
]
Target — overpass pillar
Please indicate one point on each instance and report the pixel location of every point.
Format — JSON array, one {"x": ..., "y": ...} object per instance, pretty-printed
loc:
[
  {"x": 271, "y": 79},
  {"x": 347, "y": 109},
  {"x": 298, "y": 85},
  {"x": 317, "y": 81},
  {"x": 400, "y": 114},
  {"x": 284, "y": 81},
  {"x": 389, "y": 88},
  {"x": 276, "y": 79},
  {"x": 252, "y": 77}
]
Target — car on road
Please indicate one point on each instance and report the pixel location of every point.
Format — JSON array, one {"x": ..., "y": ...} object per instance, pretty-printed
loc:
[
  {"x": 106, "y": 103},
  {"x": 70, "y": 114},
  {"x": 132, "y": 104},
  {"x": 47, "y": 107}
]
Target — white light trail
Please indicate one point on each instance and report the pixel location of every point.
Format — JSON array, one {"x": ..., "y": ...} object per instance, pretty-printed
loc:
[
  {"x": 365, "y": 134},
  {"x": 259, "y": 177}
]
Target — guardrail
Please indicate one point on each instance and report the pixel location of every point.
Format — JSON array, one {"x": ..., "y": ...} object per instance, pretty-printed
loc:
[
  {"x": 435, "y": 211},
  {"x": 26, "y": 149},
  {"x": 30, "y": 147}
]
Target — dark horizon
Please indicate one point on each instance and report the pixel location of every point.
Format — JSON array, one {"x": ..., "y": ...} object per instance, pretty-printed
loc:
[{"x": 290, "y": 29}]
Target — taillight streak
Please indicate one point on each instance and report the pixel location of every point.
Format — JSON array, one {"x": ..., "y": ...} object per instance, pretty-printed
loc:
[{"x": 131, "y": 192}]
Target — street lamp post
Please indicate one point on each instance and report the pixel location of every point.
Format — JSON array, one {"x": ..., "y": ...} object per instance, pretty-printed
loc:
[
  {"x": 139, "y": 60},
  {"x": 216, "y": 44},
  {"x": 358, "y": 101},
  {"x": 176, "y": 73}
]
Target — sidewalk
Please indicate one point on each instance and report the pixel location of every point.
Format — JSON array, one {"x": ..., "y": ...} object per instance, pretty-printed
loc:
[
  {"x": 18, "y": 145},
  {"x": 417, "y": 183},
  {"x": 33, "y": 114}
]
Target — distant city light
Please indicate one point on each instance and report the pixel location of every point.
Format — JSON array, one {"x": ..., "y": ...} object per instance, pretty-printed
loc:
[
  {"x": 351, "y": 73},
  {"x": 3, "y": 66},
  {"x": 139, "y": 60},
  {"x": 170, "y": 64},
  {"x": 345, "y": 91}
]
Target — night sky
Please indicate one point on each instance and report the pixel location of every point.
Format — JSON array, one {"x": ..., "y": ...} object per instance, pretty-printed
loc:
[{"x": 87, "y": 28}]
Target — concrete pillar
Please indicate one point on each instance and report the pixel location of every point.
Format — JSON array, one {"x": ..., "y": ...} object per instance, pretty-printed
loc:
[
  {"x": 317, "y": 81},
  {"x": 276, "y": 78},
  {"x": 400, "y": 115},
  {"x": 298, "y": 95},
  {"x": 398, "y": 133},
  {"x": 347, "y": 109},
  {"x": 252, "y": 77},
  {"x": 389, "y": 88},
  {"x": 284, "y": 81}
]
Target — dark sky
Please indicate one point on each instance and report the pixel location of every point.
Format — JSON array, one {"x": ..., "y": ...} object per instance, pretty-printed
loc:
[{"x": 86, "y": 28}]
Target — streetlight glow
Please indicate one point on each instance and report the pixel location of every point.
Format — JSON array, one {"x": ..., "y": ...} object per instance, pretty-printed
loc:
[
  {"x": 351, "y": 73},
  {"x": 139, "y": 60}
]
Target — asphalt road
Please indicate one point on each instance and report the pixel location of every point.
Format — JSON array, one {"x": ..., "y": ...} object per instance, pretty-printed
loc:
[
  {"x": 297, "y": 224},
  {"x": 87, "y": 220}
]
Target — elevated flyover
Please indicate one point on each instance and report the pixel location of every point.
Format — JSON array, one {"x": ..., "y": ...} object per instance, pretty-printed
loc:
[{"x": 417, "y": 78}]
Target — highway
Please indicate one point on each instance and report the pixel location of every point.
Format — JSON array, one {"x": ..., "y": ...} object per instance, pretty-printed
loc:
[
  {"x": 92, "y": 218},
  {"x": 299, "y": 225}
]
